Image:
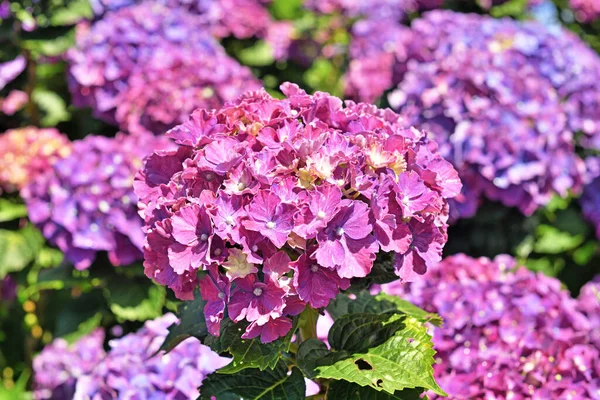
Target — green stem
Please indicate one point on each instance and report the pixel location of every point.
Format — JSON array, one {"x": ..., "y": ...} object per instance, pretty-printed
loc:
[{"x": 308, "y": 323}]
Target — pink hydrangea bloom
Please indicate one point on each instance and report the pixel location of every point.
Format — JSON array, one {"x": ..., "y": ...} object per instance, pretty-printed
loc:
[
  {"x": 277, "y": 199},
  {"x": 508, "y": 332}
]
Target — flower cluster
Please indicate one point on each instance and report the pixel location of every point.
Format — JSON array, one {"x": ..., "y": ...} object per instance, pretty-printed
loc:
[
  {"x": 130, "y": 369},
  {"x": 586, "y": 11},
  {"x": 146, "y": 67},
  {"x": 283, "y": 201},
  {"x": 507, "y": 333},
  {"x": 503, "y": 100},
  {"x": 26, "y": 153},
  {"x": 86, "y": 204},
  {"x": 239, "y": 18}
]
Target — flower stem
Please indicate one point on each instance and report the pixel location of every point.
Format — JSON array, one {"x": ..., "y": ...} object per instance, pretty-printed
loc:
[{"x": 308, "y": 323}]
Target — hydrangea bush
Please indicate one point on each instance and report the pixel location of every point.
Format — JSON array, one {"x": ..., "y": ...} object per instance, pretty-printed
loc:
[
  {"x": 504, "y": 100},
  {"x": 85, "y": 203},
  {"x": 508, "y": 332},
  {"x": 130, "y": 369},
  {"x": 146, "y": 67}
]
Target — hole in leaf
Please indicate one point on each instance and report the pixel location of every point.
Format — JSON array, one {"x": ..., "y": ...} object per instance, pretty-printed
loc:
[
  {"x": 379, "y": 382},
  {"x": 362, "y": 364}
]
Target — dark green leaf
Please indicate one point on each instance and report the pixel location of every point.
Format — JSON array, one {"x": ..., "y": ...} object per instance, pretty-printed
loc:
[
  {"x": 286, "y": 9},
  {"x": 248, "y": 353},
  {"x": 402, "y": 362},
  {"x": 347, "y": 390},
  {"x": 191, "y": 324},
  {"x": 135, "y": 300},
  {"x": 309, "y": 354},
  {"x": 255, "y": 384},
  {"x": 358, "y": 332},
  {"x": 550, "y": 240}
]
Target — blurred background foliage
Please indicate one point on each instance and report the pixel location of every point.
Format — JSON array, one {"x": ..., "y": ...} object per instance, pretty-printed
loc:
[{"x": 54, "y": 300}]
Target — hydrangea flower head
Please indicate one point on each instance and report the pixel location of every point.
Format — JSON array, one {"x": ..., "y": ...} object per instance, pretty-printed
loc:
[
  {"x": 280, "y": 203},
  {"x": 239, "y": 18},
  {"x": 146, "y": 67},
  {"x": 129, "y": 369},
  {"x": 503, "y": 99},
  {"x": 26, "y": 153},
  {"x": 508, "y": 332},
  {"x": 85, "y": 202}
]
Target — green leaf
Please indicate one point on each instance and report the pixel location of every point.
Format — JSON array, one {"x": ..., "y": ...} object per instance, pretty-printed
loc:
[
  {"x": 258, "y": 55},
  {"x": 311, "y": 354},
  {"x": 347, "y": 390},
  {"x": 248, "y": 353},
  {"x": 324, "y": 76},
  {"x": 18, "y": 249},
  {"x": 84, "y": 328},
  {"x": 135, "y": 300},
  {"x": 359, "y": 332},
  {"x": 50, "y": 42},
  {"x": 408, "y": 308},
  {"x": 72, "y": 13},
  {"x": 286, "y": 9},
  {"x": 550, "y": 240},
  {"x": 191, "y": 324},
  {"x": 53, "y": 105},
  {"x": 10, "y": 210},
  {"x": 254, "y": 384},
  {"x": 381, "y": 303},
  {"x": 402, "y": 362}
]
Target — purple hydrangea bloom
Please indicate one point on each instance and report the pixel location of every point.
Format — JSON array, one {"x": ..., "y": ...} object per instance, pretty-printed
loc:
[
  {"x": 130, "y": 369},
  {"x": 262, "y": 182},
  {"x": 508, "y": 332},
  {"x": 11, "y": 69},
  {"x": 147, "y": 66},
  {"x": 503, "y": 99},
  {"x": 590, "y": 204},
  {"x": 239, "y": 18},
  {"x": 8, "y": 289},
  {"x": 85, "y": 202}
]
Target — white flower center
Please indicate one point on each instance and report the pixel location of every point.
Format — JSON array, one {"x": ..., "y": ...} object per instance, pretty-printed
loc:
[
  {"x": 314, "y": 268},
  {"x": 218, "y": 252},
  {"x": 241, "y": 186},
  {"x": 339, "y": 231},
  {"x": 229, "y": 220},
  {"x": 270, "y": 224},
  {"x": 209, "y": 176},
  {"x": 254, "y": 248},
  {"x": 104, "y": 206},
  {"x": 257, "y": 291},
  {"x": 405, "y": 200},
  {"x": 204, "y": 237},
  {"x": 221, "y": 295},
  {"x": 321, "y": 214}
]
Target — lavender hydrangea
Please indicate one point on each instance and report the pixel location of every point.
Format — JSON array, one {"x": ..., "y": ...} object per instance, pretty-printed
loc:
[
  {"x": 289, "y": 199},
  {"x": 239, "y": 18},
  {"x": 26, "y": 153},
  {"x": 503, "y": 100},
  {"x": 146, "y": 67},
  {"x": 130, "y": 369},
  {"x": 86, "y": 204},
  {"x": 507, "y": 333}
]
